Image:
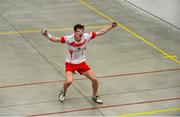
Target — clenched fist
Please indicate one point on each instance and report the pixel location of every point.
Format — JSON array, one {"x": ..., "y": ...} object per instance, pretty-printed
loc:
[
  {"x": 114, "y": 24},
  {"x": 44, "y": 32}
]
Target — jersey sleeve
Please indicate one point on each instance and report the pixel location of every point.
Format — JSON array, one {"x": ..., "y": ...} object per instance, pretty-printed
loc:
[
  {"x": 63, "y": 39},
  {"x": 67, "y": 39},
  {"x": 90, "y": 36}
]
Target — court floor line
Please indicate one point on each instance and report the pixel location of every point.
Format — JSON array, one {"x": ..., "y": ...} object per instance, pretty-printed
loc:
[
  {"x": 50, "y": 29},
  {"x": 105, "y": 106},
  {"x": 171, "y": 57},
  {"x": 150, "y": 112},
  {"x": 89, "y": 96},
  {"x": 100, "y": 77}
]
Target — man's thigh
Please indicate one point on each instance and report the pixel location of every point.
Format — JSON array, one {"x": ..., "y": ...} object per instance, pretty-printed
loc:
[
  {"x": 69, "y": 76},
  {"x": 89, "y": 74}
]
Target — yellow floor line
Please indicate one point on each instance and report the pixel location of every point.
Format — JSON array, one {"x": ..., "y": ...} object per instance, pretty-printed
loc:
[
  {"x": 131, "y": 32},
  {"x": 50, "y": 29},
  {"x": 150, "y": 112}
]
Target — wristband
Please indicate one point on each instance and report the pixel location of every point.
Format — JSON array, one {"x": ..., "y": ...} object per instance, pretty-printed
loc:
[{"x": 49, "y": 36}]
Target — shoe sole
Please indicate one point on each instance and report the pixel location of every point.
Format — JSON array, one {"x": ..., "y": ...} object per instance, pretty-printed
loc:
[{"x": 97, "y": 102}]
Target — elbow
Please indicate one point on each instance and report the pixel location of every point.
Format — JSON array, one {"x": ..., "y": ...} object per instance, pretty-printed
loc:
[
  {"x": 99, "y": 33},
  {"x": 53, "y": 40}
]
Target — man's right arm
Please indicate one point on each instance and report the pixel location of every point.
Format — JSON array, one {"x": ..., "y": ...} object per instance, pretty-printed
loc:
[{"x": 49, "y": 36}]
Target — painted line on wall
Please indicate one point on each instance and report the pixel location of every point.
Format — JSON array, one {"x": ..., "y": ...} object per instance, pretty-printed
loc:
[
  {"x": 49, "y": 29},
  {"x": 131, "y": 32}
]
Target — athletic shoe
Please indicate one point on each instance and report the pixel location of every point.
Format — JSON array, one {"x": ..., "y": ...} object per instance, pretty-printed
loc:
[
  {"x": 97, "y": 99},
  {"x": 62, "y": 95}
]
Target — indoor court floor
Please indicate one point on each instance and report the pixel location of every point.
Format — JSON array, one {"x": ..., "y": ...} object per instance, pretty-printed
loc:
[{"x": 137, "y": 64}]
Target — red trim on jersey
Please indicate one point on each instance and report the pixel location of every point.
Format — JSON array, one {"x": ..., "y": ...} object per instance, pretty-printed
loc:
[
  {"x": 93, "y": 35},
  {"x": 71, "y": 52},
  {"x": 62, "y": 39},
  {"x": 77, "y": 44}
]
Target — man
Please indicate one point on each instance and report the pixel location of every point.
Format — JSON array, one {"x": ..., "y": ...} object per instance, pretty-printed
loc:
[{"x": 75, "y": 60}]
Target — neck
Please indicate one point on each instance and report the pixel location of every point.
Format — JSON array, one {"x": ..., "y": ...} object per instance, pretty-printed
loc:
[{"x": 77, "y": 39}]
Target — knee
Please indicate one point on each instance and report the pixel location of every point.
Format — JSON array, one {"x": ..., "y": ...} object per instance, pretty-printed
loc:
[
  {"x": 69, "y": 81},
  {"x": 94, "y": 80}
]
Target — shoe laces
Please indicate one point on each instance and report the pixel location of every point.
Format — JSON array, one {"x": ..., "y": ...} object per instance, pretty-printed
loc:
[{"x": 96, "y": 97}]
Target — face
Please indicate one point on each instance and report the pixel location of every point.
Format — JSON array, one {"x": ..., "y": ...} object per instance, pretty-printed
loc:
[{"x": 78, "y": 34}]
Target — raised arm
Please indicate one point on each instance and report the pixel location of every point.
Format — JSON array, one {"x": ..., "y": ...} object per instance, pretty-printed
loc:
[
  {"x": 49, "y": 36},
  {"x": 106, "y": 29}
]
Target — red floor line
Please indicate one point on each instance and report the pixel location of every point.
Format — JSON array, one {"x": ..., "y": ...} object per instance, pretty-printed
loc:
[
  {"x": 107, "y": 106},
  {"x": 33, "y": 83},
  {"x": 107, "y": 76},
  {"x": 138, "y": 73}
]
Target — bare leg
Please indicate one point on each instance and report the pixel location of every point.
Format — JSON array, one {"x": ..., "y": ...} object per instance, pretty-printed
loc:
[
  {"x": 90, "y": 75},
  {"x": 69, "y": 80}
]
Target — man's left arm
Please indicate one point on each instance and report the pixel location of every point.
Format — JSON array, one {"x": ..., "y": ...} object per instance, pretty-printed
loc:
[{"x": 106, "y": 29}]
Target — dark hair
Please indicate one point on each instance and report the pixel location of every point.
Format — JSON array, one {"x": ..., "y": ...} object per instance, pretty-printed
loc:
[{"x": 80, "y": 26}]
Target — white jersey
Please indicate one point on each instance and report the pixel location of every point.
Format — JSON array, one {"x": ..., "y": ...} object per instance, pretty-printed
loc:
[{"x": 76, "y": 51}]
